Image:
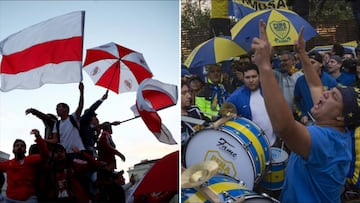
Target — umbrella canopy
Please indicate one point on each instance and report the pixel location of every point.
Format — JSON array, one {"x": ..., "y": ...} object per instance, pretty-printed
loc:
[
  {"x": 163, "y": 176},
  {"x": 116, "y": 68},
  {"x": 282, "y": 28},
  {"x": 213, "y": 51}
]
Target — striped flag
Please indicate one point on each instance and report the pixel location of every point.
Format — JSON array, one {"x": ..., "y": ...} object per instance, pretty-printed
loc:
[
  {"x": 152, "y": 96},
  {"x": 48, "y": 52}
]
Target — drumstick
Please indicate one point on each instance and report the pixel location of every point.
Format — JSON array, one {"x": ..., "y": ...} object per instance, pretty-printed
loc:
[
  {"x": 208, "y": 194},
  {"x": 223, "y": 120}
]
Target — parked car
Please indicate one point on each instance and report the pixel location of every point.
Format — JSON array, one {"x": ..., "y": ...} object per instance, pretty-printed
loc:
[{"x": 348, "y": 48}]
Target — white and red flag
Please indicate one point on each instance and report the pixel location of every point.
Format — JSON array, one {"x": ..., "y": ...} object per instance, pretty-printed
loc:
[
  {"x": 153, "y": 95},
  {"x": 48, "y": 52}
]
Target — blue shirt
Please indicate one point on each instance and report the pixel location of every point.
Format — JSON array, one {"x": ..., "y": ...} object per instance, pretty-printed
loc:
[
  {"x": 302, "y": 94},
  {"x": 241, "y": 99},
  {"x": 321, "y": 177},
  {"x": 346, "y": 78}
]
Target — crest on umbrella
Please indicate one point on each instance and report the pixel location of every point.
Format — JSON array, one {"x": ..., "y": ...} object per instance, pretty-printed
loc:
[
  {"x": 282, "y": 28},
  {"x": 116, "y": 67}
]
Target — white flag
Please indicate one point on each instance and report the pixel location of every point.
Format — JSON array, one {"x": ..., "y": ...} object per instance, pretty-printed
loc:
[
  {"x": 48, "y": 52},
  {"x": 152, "y": 96}
]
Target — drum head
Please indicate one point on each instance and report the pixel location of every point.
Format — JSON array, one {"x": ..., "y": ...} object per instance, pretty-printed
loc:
[
  {"x": 227, "y": 150},
  {"x": 279, "y": 155}
]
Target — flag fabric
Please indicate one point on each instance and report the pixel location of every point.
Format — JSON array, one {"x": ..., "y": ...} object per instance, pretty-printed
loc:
[
  {"x": 241, "y": 8},
  {"x": 48, "y": 52},
  {"x": 152, "y": 96}
]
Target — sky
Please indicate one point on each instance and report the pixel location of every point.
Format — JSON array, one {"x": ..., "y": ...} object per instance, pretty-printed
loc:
[{"x": 149, "y": 27}]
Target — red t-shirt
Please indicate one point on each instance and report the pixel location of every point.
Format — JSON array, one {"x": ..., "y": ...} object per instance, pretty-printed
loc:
[
  {"x": 21, "y": 177},
  {"x": 106, "y": 148}
]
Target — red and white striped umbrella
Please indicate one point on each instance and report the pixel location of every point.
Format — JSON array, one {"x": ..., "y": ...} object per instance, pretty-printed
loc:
[{"x": 116, "y": 68}]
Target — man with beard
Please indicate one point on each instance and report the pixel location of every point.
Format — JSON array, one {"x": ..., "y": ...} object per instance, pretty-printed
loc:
[
  {"x": 21, "y": 170},
  {"x": 249, "y": 101}
]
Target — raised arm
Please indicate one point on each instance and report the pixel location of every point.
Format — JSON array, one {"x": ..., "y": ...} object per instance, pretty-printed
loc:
[
  {"x": 95, "y": 105},
  {"x": 81, "y": 100},
  {"x": 44, "y": 151},
  {"x": 311, "y": 76},
  {"x": 37, "y": 113},
  {"x": 294, "y": 134}
]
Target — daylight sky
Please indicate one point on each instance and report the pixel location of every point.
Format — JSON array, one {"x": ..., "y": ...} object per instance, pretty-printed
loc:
[{"x": 149, "y": 27}]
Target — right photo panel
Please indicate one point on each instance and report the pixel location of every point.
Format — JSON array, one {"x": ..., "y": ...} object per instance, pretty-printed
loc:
[{"x": 270, "y": 101}]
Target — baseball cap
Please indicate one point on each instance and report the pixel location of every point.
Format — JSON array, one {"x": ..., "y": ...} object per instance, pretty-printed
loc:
[
  {"x": 336, "y": 58},
  {"x": 351, "y": 106},
  {"x": 316, "y": 56},
  {"x": 185, "y": 73}
]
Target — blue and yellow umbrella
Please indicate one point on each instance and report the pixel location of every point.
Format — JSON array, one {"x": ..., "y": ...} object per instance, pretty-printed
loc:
[
  {"x": 213, "y": 51},
  {"x": 282, "y": 28}
]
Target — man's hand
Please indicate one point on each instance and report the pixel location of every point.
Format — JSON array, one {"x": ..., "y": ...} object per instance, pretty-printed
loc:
[
  {"x": 105, "y": 96},
  {"x": 75, "y": 150},
  {"x": 115, "y": 123},
  {"x": 35, "y": 132},
  {"x": 262, "y": 48},
  {"x": 299, "y": 46},
  {"x": 27, "y": 111},
  {"x": 122, "y": 157},
  {"x": 304, "y": 120},
  {"x": 81, "y": 87}
]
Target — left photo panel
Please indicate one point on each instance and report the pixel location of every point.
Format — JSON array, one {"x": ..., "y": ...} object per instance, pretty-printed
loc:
[{"x": 89, "y": 107}]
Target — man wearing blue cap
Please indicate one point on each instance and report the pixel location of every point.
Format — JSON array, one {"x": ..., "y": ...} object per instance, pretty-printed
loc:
[{"x": 321, "y": 153}]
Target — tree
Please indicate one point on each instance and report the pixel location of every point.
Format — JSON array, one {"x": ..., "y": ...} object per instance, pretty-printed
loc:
[{"x": 194, "y": 25}]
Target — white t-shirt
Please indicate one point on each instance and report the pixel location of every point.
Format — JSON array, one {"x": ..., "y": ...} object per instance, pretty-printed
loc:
[
  {"x": 260, "y": 115},
  {"x": 69, "y": 135}
]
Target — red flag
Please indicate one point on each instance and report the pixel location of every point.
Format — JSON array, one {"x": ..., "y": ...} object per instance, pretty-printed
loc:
[
  {"x": 48, "y": 52},
  {"x": 152, "y": 96}
]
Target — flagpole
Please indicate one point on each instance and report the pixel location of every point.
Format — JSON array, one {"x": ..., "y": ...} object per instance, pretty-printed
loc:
[
  {"x": 129, "y": 119},
  {"x": 140, "y": 116}
]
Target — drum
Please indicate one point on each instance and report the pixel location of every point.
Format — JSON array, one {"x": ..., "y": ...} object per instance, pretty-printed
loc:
[
  {"x": 226, "y": 188},
  {"x": 240, "y": 148},
  {"x": 274, "y": 178}
]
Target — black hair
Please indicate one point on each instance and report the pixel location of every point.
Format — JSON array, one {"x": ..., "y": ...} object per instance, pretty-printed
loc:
[
  {"x": 65, "y": 106},
  {"x": 19, "y": 140},
  {"x": 338, "y": 49},
  {"x": 249, "y": 66}
]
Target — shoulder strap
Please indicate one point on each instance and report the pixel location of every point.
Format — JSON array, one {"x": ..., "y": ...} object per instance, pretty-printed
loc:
[
  {"x": 58, "y": 129},
  {"x": 74, "y": 122}
]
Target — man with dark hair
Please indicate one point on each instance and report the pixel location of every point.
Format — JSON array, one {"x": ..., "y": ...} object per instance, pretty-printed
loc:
[
  {"x": 302, "y": 96},
  {"x": 321, "y": 153},
  {"x": 249, "y": 101},
  {"x": 107, "y": 148},
  {"x": 335, "y": 69},
  {"x": 66, "y": 131},
  {"x": 89, "y": 130},
  {"x": 21, "y": 170}
]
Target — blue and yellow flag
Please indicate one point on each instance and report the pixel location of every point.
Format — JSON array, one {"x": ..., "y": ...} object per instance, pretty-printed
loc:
[{"x": 241, "y": 8}]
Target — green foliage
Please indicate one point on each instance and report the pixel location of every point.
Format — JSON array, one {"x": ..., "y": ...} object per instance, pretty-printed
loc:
[
  {"x": 330, "y": 11},
  {"x": 193, "y": 17}
]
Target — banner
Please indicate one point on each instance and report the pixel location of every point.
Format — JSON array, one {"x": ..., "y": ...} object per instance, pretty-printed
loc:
[{"x": 241, "y": 8}]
